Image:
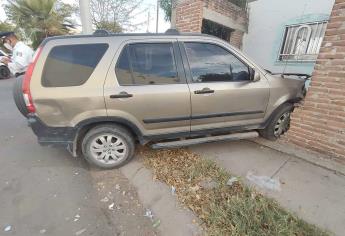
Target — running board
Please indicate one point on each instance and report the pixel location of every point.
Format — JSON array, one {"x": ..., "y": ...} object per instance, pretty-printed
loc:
[{"x": 209, "y": 139}]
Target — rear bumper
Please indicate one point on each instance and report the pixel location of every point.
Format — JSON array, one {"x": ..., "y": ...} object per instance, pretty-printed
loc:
[{"x": 51, "y": 136}]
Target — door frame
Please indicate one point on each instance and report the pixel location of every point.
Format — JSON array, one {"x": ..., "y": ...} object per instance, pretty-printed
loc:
[{"x": 251, "y": 69}]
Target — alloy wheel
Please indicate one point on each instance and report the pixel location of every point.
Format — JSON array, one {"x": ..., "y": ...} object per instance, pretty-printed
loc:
[
  {"x": 108, "y": 149},
  {"x": 283, "y": 124}
]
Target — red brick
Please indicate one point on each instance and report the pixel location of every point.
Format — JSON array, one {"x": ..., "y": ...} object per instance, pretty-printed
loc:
[{"x": 319, "y": 124}]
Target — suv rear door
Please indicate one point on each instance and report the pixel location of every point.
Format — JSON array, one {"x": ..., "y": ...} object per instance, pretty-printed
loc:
[
  {"x": 222, "y": 92},
  {"x": 147, "y": 87},
  {"x": 67, "y": 83}
]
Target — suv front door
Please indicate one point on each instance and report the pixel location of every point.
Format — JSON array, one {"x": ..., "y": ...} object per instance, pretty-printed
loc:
[
  {"x": 147, "y": 87},
  {"x": 222, "y": 92}
]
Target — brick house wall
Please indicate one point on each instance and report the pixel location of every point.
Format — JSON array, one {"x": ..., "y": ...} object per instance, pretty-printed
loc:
[
  {"x": 190, "y": 13},
  {"x": 236, "y": 38},
  {"x": 189, "y": 16},
  {"x": 319, "y": 125}
]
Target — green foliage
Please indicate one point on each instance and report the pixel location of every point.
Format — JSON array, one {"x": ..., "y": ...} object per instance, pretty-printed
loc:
[
  {"x": 166, "y": 5},
  {"x": 5, "y": 26},
  {"x": 109, "y": 26},
  {"x": 39, "y": 18}
]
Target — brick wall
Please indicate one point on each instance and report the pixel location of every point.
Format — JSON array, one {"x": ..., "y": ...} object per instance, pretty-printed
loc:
[
  {"x": 226, "y": 8},
  {"x": 189, "y": 15},
  {"x": 236, "y": 38},
  {"x": 320, "y": 124}
]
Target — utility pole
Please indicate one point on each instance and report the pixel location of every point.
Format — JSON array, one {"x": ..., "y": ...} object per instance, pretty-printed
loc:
[
  {"x": 85, "y": 16},
  {"x": 157, "y": 16},
  {"x": 148, "y": 21}
]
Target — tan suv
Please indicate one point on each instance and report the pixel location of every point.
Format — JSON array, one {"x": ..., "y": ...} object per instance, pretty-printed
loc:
[{"x": 100, "y": 94}]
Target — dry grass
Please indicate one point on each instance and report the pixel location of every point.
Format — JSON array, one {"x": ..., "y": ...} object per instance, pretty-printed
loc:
[{"x": 223, "y": 209}]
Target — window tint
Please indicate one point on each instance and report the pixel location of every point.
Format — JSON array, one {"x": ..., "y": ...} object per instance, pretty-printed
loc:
[
  {"x": 71, "y": 65},
  {"x": 123, "y": 70},
  {"x": 151, "y": 63},
  {"x": 212, "y": 63}
]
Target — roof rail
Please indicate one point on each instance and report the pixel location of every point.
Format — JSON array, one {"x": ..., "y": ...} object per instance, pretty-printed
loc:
[
  {"x": 101, "y": 32},
  {"x": 172, "y": 31}
]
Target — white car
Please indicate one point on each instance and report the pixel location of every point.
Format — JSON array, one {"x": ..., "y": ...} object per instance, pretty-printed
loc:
[{"x": 4, "y": 71}]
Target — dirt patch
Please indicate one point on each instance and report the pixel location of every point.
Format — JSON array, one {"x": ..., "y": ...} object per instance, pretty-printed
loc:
[{"x": 120, "y": 203}]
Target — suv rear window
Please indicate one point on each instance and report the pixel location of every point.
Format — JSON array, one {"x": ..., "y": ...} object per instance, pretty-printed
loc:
[
  {"x": 71, "y": 65},
  {"x": 147, "y": 63}
]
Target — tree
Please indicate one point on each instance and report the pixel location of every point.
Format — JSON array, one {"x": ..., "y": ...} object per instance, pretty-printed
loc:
[
  {"x": 109, "y": 26},
  {"x": 39, "y": 19},
  {"x": 5, "y": 26},
  {"x": 115, "y": 15},
  {"x": 166, "y": 5}
]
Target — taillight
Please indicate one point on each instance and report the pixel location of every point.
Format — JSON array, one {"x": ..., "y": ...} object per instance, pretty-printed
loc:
[{"x": 26, "y": 83}]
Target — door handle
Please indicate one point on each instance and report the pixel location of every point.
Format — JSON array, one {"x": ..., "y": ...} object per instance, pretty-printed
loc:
[
  {"x": 121, "y": 95},
  {"x": 204, "y": 91}
]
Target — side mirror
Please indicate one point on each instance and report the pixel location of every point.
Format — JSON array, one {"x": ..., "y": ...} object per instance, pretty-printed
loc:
[{"x": 255, "y": 75}]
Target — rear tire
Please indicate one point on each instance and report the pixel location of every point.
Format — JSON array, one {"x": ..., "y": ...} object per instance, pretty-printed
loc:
[
  {"x": 279, "y": 123},
  {"x": 18, "y": 96},
  {"x": 108, "y": 146}
]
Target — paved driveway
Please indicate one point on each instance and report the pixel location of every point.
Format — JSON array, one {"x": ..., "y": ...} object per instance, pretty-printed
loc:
[{"x": 46, "y": 191}]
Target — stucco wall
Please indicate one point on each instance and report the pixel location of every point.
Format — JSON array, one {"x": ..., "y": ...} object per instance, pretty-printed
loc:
[{"x": 267, "y": 21}]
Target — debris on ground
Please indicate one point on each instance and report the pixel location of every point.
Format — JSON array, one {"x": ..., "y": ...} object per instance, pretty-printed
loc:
[
  {"x": 231, "y": 181},
  {"x": 173, "y": 190},
  {"x": 117, "y": 187},
  {"x": 43, "y": 231},
  {"x": 208, "y": 183},
  {"x": 105, "y": 199},
  {"x": 80, "y": 232},
  {"x": 76, "y": 217},
  {"x": 156, "y": 223},
  {"x": 265, "y": 182},
  {"x": 222, "y": 210},
  {"x": 8, "y": 228},
  {"x": 149, "y": 214},
  {"x": 111, "y": 206}
]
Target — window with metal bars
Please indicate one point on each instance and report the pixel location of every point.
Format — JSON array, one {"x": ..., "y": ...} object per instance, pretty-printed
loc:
[{"x": 302, "y": 42}]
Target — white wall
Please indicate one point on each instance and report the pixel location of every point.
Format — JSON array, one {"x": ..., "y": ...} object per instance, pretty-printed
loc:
[{"x": 267, "y": 21}]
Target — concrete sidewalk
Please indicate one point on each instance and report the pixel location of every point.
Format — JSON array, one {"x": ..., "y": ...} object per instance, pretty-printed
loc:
[{"x": 314, "y": 193}]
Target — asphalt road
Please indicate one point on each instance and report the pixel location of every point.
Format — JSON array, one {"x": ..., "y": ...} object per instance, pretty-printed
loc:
[{"x": 45, "y": 191}]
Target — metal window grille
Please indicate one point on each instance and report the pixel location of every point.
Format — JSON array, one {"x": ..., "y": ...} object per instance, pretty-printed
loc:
[{"x": 302, "y": 42}]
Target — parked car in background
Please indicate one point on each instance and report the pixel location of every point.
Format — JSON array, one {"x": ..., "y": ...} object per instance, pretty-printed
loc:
[
  {"x": 4, "y": 71},
  {"x": 99, "y": 94}
]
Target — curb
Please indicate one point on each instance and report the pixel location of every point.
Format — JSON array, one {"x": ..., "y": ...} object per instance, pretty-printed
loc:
[
  {"x": 156, "y": 196},
  {"x": 309, "y": 156}
]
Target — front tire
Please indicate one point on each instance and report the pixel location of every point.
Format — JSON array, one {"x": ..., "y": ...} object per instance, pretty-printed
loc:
[
  {"x": 108, "y": 146},
  {"x": 279, "y": 124}
]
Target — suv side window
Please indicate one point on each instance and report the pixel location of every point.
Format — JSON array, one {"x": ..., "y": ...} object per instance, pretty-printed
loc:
[
  {"x": 212, "y": 63},
  {"x": 147, "y": 64},
  {"x": 71, "y": 65}
]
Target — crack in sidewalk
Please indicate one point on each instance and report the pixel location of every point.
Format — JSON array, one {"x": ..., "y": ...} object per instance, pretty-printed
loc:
[{"x": 280, "y": 167}]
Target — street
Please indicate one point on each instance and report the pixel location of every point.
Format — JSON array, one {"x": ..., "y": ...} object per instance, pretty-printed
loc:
[{"x": 45, "y": 190}]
